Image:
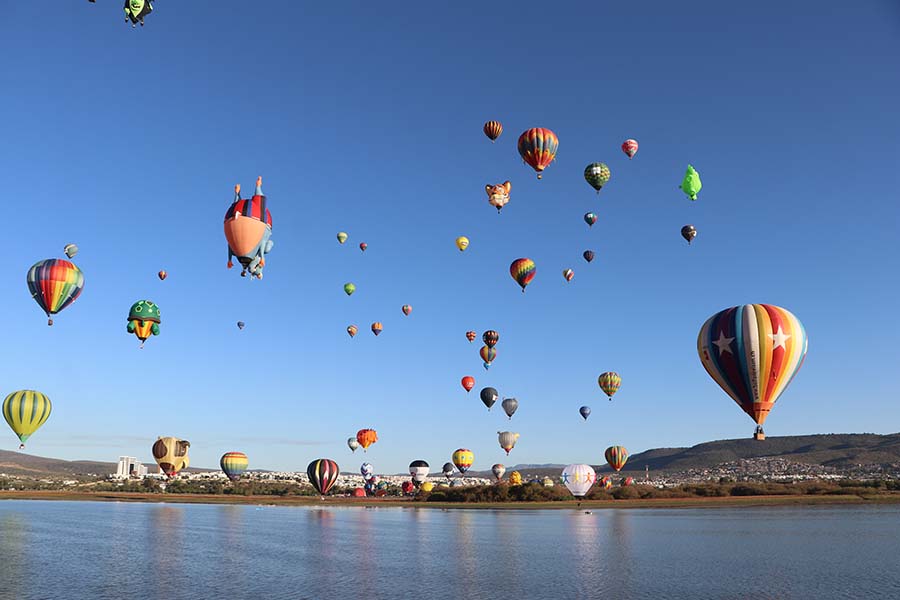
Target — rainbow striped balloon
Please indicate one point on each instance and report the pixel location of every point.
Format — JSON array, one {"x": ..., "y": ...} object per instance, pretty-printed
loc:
[
  {"x": 609, "y": 382},
  {"x": 26, "y": 411},
  {"x": 54, "y": 284},
  {"x": 323, "y": 473},
  {"x": 616, "y": 456},
  {"x": 537, "y": 147},
  {"x": 522, "y": 270},
  {"x": 234, "y": 464},
  {"x": 753, "y": 352}
]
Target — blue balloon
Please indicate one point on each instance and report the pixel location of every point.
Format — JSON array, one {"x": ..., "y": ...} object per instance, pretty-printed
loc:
[{"x": 585, "y": 411}]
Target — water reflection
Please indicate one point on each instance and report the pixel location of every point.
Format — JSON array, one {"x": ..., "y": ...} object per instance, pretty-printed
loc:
[
  {"x": 13, "y": 537},
  {"x": 167, "y": 548},
  {"x": 586, "y": 569},
  {"x": 465, "y": 553}
]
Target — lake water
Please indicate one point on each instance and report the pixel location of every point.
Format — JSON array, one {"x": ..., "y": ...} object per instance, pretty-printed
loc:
[{"x": 98, "y": 551}]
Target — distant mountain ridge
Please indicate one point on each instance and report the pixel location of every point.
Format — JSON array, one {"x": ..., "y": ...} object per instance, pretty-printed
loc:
[{"x": 838, "y": 450}]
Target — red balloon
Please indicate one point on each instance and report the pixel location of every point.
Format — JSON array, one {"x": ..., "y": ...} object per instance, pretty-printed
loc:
[{"x": 468, "y": 382}]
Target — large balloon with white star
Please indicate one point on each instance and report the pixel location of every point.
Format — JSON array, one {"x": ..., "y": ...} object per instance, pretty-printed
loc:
[{"x": 753, "y": 352}]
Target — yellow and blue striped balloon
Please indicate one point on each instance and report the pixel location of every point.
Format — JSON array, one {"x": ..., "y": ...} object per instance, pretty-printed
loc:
[
  {"x": 26, "y": 411},
  {"x": 234, "y": 464}
]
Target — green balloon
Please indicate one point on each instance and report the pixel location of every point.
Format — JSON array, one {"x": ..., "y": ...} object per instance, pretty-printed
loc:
[
  {"x": 691, "y": 184},
  {"x": 597, "y": 174},
  {"x": 349, "y": 288}
]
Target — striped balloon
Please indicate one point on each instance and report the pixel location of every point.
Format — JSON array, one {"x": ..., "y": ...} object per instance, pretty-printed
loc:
[
  {"x": 490, "y": 338},
  {"x": 597, "y": 175},
  {"x": 522, "y": 270},
  {"x": 609, "y": 382},
  {"x": 352, "y": 329},
  {"x": 488, "y": 354},
  {"x": 234, "y": 464},
  {"x": 377, "y": 327},
  {"x": 493, "y": 129},
  {"x": 323, "y": 473},
  {"x": 568, "y": 274},
  {"x": 753, "y": 352},
  {"x": 630, "y": 147},
  {"x": 463, "y": 459},
  {"x": 616, "y": 456},
  {"x": 537, "y": 147},
  {"x": 54, "y": 284},
  {"x": 26, "y": 411}
]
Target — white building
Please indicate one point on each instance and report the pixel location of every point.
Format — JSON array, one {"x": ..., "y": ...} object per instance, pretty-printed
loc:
[{"x": 129, "y": 466}]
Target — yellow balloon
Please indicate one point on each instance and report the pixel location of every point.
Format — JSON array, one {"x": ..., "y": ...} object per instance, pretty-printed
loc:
[
  {"x": 462, "y": 242},
  {"x": 26, "y": 411},
  {"x": 515, "y": 478},
  {"x": 427, "y": 486}
]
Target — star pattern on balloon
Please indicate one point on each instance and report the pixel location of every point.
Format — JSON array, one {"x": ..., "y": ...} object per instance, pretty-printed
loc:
[
  {"x": 779, "y": 338},
  {"x": 724, "y": 343}
]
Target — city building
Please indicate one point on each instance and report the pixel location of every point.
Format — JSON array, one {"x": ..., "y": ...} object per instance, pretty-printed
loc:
[{"x": 129, "y": 466}]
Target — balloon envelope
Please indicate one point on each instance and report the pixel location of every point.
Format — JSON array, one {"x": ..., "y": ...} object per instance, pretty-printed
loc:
[
  {"x": 171, "y": 454},
  {"x": 447, "y": 469},
  {"x": 366, "y": 437},
  {"x": 492, "y": 129},
  {"x": 498, "y": 470},
  {"x": 609, "y": 382},
  {"x": 578, "y": 478},
  {"x": 510, "y": 406},
  {"x": 688, "y": 232},
  {"x": 463, "y": 459},
  {"x": 342, "y": 237},
  {"x": 522, "y": 270},
  {"x": 468, "y": 382},
  {"x": 597, "y": 175},
  {"x": 462, "y": 242},
  {"x": 588, "y": 255},
  {"x": 616, "y": 456},
  {"x": 234, "y": 464},
  {"x": 585, "y": 411},
  {"x": 630, "y": 147},
  {"x": 489, "y": 396},
  {"x": 322, "y": 473},
  {"x": 25, "y": 411},
  {"x": 353, "y": 444},
  {"x": 507, "y": 440},
  {"x": 54, "y": 284},
  {"x": 537, "y": 147},
  {"x": 71, "y": 250}
]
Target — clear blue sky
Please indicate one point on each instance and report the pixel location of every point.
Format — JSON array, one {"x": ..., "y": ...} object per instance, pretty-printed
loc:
[{"x": 367, "y": 119}]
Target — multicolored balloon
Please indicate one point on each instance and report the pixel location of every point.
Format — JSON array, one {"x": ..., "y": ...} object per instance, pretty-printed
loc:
[
  {"x": 162, "y": 275},
  {"x": 25, "y": 411},
  {"x": 54, "y": 284},
  {"x": 143, "y": 320},
  {"x": 363, "y": 246},
  {"x": 609, "y": 382},
  {"x": 588, "y": 255},
  {"x": 71, "y": 250},
  {"x": 568, "y": 274},
  {"x": 490, "y": 338},
  {"x": 605, "y": 483},
  {"x": 351, "y": 330},
  {"x": 468, "y": 382},
  {"x": 510, "y": 406},
  {"x": 366, "y": 437},
  {"x": 487, "y": 355},
  {"x": 234, "y": 464},
  {"x": 537, "y": 147},
  {"x": 688, "y": 232},
  {"x": 627, "y": 481},
  {"x": 171, "y": 455},
  {"x": 616, "y": 456},
  {"x": 523, "y": 271},
  {"x": 463, "y": 459},
  {"x": 462, "y": 242},
  {"x": 498, "y": 195},
  {"x": 507, "y": 440},
  {"x": 578, "y": 478},
  {"x": 352, "y": 444},
  {"x": 590, "y": 218},
  {"x": 753, "y": 352},
  {"x": 471, "y": 335},
  {"x": 492, "y": 129},
  {"x": 136, "y": 10},
  {"x": 498, "y": 470},
  {"x": 323, "y": 474},
  {"x": 406, "y": 309},
  {"x": 342, "y": 237},
  {"x": 691, "y": 184},
  {"x": 377, "y": 328},
  {"x": 366, "y": 470},
  {"x": 248, "y": 231},
  {"x": 597, "y": 175},
  {"x": 585, "y": 412},
  {"x": 630, "y": 147},
  {"x": 489, "y": 396}
]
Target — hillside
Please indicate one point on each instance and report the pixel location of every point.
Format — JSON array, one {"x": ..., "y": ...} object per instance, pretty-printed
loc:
[{"x": 18, "y": 463}]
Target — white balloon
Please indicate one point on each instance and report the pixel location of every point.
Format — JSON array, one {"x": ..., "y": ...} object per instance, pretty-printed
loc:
[{"x": 579, "y": 479}]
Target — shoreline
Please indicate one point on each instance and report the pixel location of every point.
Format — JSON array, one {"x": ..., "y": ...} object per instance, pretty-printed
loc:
[{"x": 396, "y": 502}]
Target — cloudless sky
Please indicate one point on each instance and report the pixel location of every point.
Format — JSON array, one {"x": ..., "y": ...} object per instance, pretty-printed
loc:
[{"x": 366, "y": 118}]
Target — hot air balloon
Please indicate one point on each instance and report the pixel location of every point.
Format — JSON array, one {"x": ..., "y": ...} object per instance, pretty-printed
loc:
[
  {"x": 515, "y": 478},
  {"x": 488, "y": 396},
  {"x": 349, "y": 288},
  {"x": 498, "y": 470},
  {"x": 537, "y": 147},
  {"x": 609, "y": 382},
  {"x": 352, "y": 329},
  {"x": 54, "y": 284},
  {"x": 547, "y": 482},
  {"x": 376, "y": 327},
  {"x": 426, "y": 487},
  {"x": 471, "y": 335},
  {"x": 605, "y": 483},
  {"x": 240, "y": 324},
  {"x": 568, "y": 274},
  {"x": 590, "y": 218},
  {"x": 597, "y": 175},
  {"x": 691, "y": 184},
  {"x": 248, "y": 230},
  {"x": 407, "y": 487},
  {"x": 579, "y": 479},
  {"x": 688, "y": 232},
  {"x": 498, "y": 195},
  {"x": 359, "y": 492},
  {"x": 463, "y": 459},
  {"x": 490, "y": 338},
  {"x": 25, "y": 411},
  {"x": 353, "y": 444},
  {"x": 462, "y": 242},
  {"x": 366, "y": 437},
  {"x": 510, "y": 406},
  {"x": 447, "y": 470},
  {"x": 234, "y": 464},
  {"x": 363, "y": 246},
  {"x": 627, "y": 481},
  {"x": 488, "y": 355},
  {"x": 143, "y": 320},
  {"x": 630, "y": 147},
  {"x": 342, "y": 237},
  {"x": 323, "y": 473},
  {"x": 507, "y": 440},
  {"x": 418, "y": 469},
  {"x": 366, "y": 470},
  {"x": 136, "y": 10},
  {"x": 522, "y": 270},
  {"x": 406, "y": 308},
  {"x": 493, "y": 129},
  {"x": 162, "y": 275},
  {"x": 71, "y": 250},
  {"x": 616, "y": 456},
  {"x": 171, "y": 455},
  {"x": 588, "y": 255},
  {"x": 468, "y": 382},
  {"x": 758, "y": 350},
  {"x": 585, "y": 412}
]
